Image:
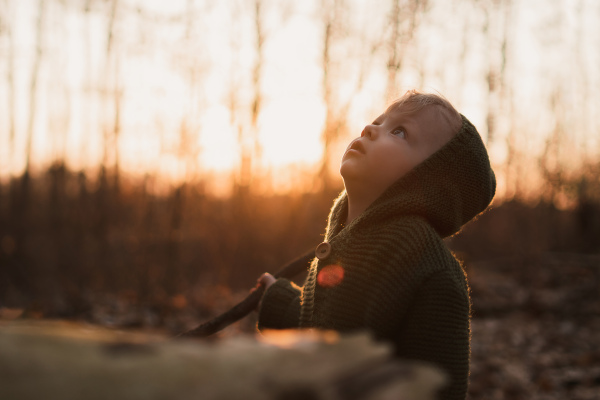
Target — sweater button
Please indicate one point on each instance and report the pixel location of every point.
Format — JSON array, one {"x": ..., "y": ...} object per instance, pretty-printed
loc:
[{"x": 323, "y": 250}]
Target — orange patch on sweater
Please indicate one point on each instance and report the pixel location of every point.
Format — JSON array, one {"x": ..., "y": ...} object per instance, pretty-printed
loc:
[{"x": 330, "y": 276}]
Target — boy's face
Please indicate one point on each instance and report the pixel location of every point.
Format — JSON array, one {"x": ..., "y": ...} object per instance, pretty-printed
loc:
[{"x": 391, "y": 146}]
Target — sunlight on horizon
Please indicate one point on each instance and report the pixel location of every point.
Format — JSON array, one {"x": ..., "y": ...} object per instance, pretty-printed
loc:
[{"x": 289, "y": 130}]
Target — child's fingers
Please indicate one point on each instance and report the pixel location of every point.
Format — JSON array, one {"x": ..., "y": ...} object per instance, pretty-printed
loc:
[{"x": 266, "y": 280}]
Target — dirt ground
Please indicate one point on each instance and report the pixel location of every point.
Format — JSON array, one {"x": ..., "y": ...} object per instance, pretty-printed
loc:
[
  {"x": 535, "y": 328},
  {"x": 519, "y": 357},
  {"x": 535, "y": 325}
]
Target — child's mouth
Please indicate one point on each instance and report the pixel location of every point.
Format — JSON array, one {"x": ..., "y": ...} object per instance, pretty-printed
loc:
[{"x": 357, "y": 146}]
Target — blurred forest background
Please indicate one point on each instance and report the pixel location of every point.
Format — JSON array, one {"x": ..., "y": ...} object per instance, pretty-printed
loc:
[{"x": 157, "y": 157}]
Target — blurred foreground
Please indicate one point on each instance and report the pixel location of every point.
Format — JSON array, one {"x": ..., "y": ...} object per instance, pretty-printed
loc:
[
  {"x": 112, "y": 253},
  {"x": 73, "y": 362}
]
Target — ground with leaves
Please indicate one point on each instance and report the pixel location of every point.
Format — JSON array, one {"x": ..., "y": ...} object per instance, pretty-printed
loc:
[
  {"x": 535, "y": 324},
  {"x": 535, "y": 328}
]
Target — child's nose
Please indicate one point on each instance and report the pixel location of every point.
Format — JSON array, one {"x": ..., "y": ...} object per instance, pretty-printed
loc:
[{"x": 369, "y": 131}]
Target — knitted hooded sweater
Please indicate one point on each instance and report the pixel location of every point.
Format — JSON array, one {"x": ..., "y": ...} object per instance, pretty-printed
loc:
[{"x": 389, "y": 271}]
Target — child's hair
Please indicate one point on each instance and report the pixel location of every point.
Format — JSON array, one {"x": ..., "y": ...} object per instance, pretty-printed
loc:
[{"x": 414, "y": 101}]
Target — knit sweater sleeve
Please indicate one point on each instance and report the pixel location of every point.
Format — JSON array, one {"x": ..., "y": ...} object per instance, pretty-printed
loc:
[
  {"x": 437, "y": 330},
  {"x": 280, "y": 306}
]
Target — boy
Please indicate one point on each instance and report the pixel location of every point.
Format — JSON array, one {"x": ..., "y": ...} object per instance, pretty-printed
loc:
[{"x": 416, "y": 175}]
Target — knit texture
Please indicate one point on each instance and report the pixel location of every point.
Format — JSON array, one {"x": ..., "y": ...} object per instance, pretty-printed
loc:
[
  {"x": 400, "y": 281},
  {"x": 283, "y": 300}
]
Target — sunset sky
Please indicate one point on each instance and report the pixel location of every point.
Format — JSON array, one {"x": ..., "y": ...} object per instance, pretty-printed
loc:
[{"x": 178, "y": 64}]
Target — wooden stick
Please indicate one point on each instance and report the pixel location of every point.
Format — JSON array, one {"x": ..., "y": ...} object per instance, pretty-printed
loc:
[{"x": 246, "y": 306}]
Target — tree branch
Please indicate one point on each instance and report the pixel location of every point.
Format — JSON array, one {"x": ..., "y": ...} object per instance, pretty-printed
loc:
[{"x": 246, "y": 306}]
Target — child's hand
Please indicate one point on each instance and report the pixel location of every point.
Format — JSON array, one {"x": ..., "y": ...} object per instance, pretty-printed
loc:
[{"x": 266, "y": 280}]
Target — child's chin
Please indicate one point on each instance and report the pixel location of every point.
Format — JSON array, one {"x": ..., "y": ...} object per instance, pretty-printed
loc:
[
  {"x": 344, "y": 168},
  {"x": 349, "y": 170}
]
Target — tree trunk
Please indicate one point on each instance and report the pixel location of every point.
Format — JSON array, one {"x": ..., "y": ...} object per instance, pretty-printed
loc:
[{"x": 34, "y": 82}]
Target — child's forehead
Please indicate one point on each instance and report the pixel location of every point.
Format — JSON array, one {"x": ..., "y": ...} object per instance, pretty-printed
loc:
[{"x": 397, "y": 112}]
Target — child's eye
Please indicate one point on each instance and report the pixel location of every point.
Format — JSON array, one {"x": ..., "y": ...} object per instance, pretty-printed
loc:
[{"x": 399, "y": 132}]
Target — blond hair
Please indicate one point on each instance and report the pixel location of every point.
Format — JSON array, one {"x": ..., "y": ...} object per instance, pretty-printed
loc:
[{"x": 414, "y": 101}]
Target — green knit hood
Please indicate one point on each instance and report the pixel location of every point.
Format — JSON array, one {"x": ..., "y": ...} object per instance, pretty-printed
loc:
[{"x": 448, "y": 189}]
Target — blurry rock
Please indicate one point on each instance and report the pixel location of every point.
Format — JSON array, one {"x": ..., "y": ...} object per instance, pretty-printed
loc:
[{"x": 64, "y": 361}]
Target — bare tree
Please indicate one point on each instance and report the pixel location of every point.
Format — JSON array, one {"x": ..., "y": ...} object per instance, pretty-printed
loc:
[
  {"x": 464, "y": 47},
  {"x": 112, "y": 94},
  {"x": 59, "y": 110},
  {"x": 37, "y": 60},
  {"x": 581, "y": 75},
  {"x": 194, "y": 68},
  {"x": 88, "y": 76},
  {"x": 248, "y": 138},
  {"x": 513, "y": 175},
  {"x": 552, "y": 157},
  {"x": 10, "y": 77},
  {"x": 341, "y": 41},
  {"x": 403, "y": 21},
  {"x": 334, "y": 123},
  {"x": 495, "y": 28},
  {"x": 234, "y": 100},
  {"x": 260, "y": 37}
]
